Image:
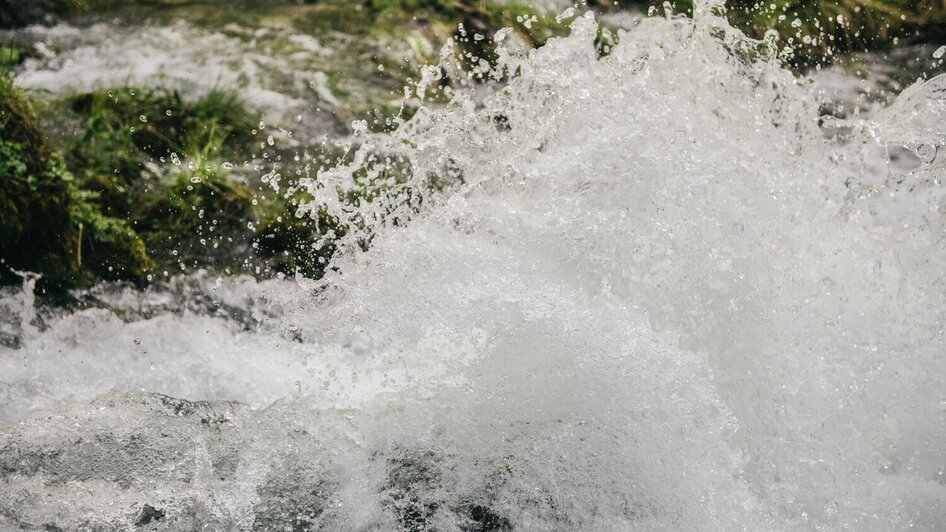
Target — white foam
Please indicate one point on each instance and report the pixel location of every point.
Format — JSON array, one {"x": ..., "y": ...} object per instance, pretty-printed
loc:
[{"x": 660, "y": 298}]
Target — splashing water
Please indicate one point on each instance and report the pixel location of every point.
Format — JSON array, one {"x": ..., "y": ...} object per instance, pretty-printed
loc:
[{"x": 650, "y": 293}]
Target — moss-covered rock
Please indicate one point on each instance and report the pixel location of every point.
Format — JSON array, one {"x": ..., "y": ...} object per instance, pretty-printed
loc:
[
  {"x": 36, "y": 227},
  {"x": 47, "y": 224},
  {"x": 113, "y": 250},
  {"x": 153, "y": 190},
  {"x": 148, "y": 188},
  {"x": 36, "y": 230}
]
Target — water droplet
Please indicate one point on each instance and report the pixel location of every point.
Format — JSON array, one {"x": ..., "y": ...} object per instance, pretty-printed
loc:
[{"x": 940, "y": 52}]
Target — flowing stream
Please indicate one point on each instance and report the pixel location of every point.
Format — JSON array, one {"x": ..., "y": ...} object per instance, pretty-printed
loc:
[{"x": 648, "y": 291}]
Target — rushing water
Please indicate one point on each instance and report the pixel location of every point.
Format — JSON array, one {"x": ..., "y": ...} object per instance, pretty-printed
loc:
[{"x": 654, "y": 294}]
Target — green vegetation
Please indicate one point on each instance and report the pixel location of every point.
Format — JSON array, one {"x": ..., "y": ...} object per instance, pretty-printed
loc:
[
  {"x": 818, "y": 30},
  {"x": 154, "y": 159},
  {"x": 165, "y": 164},
  {"x": 9, "y": 58},
  {"x": 48, "y": 224},
  {"x": 146, "y": 187}
]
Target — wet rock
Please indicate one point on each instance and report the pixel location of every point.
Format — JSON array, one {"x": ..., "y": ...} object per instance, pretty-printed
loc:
[{"x": 149, "y": 514}]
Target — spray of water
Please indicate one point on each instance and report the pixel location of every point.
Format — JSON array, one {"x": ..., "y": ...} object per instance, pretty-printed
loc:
[{"x": 639, "y": 291}]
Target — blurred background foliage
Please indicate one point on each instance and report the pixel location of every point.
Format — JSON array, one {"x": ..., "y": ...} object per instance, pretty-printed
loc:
[{"x": 836, "y": 25}]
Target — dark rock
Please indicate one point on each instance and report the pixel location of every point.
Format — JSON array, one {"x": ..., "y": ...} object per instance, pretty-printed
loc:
[{"x": 149, "y": 514}]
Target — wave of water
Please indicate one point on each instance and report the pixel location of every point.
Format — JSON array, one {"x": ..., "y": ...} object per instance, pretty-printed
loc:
[{"x": 653, "y": 295}]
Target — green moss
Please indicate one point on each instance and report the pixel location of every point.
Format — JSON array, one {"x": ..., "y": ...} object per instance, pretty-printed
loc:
[
  {"x": 116, "y": 250},
  {"x": 148, "y": 189},
  {"x": 48, "y": 224},
  {"x": 157, "y": 160},
  {"x": 192, "y": 216},
  {"x": 36, "y": 230},
  {"x": 141, "y": 125}
]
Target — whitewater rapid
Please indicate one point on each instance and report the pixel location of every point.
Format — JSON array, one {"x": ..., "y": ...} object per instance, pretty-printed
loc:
[{"x": 636, "y": 291}]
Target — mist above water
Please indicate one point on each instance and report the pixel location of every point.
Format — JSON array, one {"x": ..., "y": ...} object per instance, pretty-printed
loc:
[{"x": 643, "y": 290}]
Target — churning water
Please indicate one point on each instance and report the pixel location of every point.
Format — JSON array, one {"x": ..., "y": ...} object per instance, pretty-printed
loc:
[{"x": 646, "y": 291}]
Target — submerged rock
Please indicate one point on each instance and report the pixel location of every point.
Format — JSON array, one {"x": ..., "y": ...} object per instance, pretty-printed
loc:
[{"x": 158, "y": 463}]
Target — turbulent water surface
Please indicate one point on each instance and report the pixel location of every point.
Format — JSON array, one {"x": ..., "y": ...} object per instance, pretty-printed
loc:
[{"x": 656, "y": 289}]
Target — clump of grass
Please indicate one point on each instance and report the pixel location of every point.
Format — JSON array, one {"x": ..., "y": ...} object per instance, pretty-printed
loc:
[
  {"x": 129, "y": 132},
  {"x": 157, "y": 159},
  {"x": 159, "y": 123}
]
